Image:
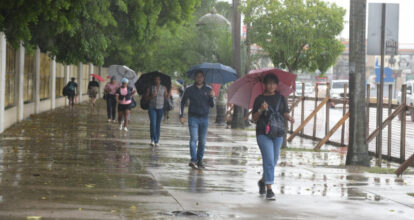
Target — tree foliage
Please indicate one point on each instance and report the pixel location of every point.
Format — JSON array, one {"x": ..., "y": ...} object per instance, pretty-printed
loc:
[
  {"x": 296, "y": 34},
  {"x": 188, "y": 44},
  {"x": 121, "y": 31}
]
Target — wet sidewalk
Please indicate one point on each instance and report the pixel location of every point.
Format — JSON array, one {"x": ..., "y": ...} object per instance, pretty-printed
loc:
[{"x": 74, "y": 165}]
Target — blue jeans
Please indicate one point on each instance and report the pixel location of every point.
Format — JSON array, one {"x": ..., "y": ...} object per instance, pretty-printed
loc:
[
  {"x": 270, "y": 149},
  {"x": 155, "y": 116},
  {"x": 198, "y": 132}
]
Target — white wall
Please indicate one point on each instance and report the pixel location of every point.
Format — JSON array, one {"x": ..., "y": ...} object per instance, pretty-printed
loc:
[{"x": 12, "y": 115}]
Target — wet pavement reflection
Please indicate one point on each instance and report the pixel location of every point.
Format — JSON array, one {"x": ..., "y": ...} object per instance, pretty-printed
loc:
[{"x": 72, "y": 164}]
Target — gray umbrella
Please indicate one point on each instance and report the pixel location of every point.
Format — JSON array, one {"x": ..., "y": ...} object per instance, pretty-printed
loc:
[{"x": 119, "y": 72}]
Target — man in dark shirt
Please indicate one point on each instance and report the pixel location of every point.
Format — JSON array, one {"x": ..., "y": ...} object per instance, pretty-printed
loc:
[{"x": 201, "y": 98}]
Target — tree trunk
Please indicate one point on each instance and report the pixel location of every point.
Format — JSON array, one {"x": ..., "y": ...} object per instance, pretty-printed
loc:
[
  {"x": 237, "y": 121},
  {"x": 358, "y": 147}
]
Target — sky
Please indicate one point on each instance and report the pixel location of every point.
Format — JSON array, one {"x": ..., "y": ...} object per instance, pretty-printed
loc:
[{"x": 406, "y": 28}]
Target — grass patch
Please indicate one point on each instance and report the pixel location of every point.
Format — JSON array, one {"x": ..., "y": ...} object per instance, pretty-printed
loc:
[
  {"x": 380, "y": 170},
  {"x": 410, "y": 194},
  {"x": 302, "y": 150}
]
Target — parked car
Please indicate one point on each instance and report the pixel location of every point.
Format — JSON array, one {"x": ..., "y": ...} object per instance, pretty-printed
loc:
[
  {"x": 308, "y": 89},
  {"x": 337, "y": 89},
  {"x": 410, "y": 97}
]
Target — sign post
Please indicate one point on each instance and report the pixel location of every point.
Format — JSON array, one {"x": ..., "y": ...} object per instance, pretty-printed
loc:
[{"x": 385, "y": 43}]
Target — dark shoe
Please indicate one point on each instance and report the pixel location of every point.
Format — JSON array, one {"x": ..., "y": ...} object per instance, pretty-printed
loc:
[
  {"x": 270, "y": 195},
  {"x": 193, "y": 165},
  {"x": 262, "y": 187},
  {"x": 200, "y": 165}
]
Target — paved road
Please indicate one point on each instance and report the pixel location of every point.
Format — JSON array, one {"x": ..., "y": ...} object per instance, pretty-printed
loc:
[{"x": 74, "y": 165}]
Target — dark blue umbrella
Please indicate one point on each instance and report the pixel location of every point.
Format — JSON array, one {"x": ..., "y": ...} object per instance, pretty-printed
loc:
[{"x": 214, "y": 73}]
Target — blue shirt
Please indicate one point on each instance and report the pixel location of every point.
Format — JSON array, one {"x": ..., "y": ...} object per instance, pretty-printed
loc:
[{"x": 200, "y": 101}]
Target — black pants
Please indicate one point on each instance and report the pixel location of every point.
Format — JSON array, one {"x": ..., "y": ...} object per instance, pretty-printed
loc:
[
  {"x": 111, "y": 106},
  {"x": 71, "y": 99}
]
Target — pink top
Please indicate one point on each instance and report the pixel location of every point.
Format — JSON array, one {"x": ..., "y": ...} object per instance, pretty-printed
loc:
[
  {"x": 111, "y": 88},
  {"x": 124, "y": 92}
]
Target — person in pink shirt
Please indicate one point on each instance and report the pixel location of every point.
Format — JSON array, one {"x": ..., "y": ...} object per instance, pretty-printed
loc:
[
  {"x": 110, "y": 90},
  {"x": 124, "y": 99}
]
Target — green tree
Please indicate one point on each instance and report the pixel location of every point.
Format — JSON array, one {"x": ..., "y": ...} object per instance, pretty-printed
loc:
[
  {"x": 122, "y": 31},
  {"x": 296, "y": 34},
  {"x": 85, "y": 38},
  {"x": 139, "y": 28},
  {"x": 175, "y": 50}
]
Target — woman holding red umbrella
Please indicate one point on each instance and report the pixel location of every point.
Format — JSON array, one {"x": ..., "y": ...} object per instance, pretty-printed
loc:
[{"x": 265, "y": 105}]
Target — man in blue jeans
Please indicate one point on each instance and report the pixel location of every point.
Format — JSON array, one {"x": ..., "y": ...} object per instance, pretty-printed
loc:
[{"x": 201, "y": 98}]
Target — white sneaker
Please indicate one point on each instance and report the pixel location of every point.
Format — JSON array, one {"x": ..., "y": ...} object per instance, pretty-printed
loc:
[
  {"x": 109, "y": 120},
  {"x": 114, "y": 121},
  {"x": 125, "y": 129},
  {"x": 152, "y": 143},
  {"x": 157, "y": 144},
  {"x": 121, "y": 126}
]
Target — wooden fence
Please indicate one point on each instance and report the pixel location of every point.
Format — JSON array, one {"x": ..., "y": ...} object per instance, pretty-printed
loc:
[{"x": 321, "y": 129}]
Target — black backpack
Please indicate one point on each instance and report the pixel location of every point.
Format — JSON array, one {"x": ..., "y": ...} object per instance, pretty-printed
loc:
[
  {"x": 68, "y": 90},
  {"x": 144, "y": 102},
  {"x": 276, "y": 126}
]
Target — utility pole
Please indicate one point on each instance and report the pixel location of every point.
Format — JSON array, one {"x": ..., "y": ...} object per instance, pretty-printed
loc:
[
  {"x": 358, "y": 147},
  {"x": 237, "y": 121}
]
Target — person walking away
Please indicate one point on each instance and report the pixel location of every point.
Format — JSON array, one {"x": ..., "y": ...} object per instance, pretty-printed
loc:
[
  {"x": 265, "y": 105},
  {"x": 72, "y": 91},
  {"x": 157, "y": 95},
  {"x": 93, "y": 88},
  {"x": 201, "y": 98},
  {"x": 110, "y": 90},
  {"x": 124, "y": 99}
]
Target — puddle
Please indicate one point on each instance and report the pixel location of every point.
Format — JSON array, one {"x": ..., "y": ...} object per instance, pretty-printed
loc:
[{"x": 187, "y": 213}]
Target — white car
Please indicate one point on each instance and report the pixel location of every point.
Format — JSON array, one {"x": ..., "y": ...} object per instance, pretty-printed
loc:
[
  {"x": 337, "y": 88},
  {"x": 308, "y": 89}
]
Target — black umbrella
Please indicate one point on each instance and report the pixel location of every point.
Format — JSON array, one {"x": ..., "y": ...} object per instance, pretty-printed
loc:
[{"x": 146, "y": 80}]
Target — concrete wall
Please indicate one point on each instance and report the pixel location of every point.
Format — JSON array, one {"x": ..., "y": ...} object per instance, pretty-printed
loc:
[
  {"x": 29, "y": 109},
  {"x": 22, "y": 110},
  {"x": 44, "y": 105},
  {"x": 10, "y": 117}
]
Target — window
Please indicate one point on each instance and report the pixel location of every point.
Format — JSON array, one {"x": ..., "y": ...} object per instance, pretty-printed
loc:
[
  {"x": 29, "y": 73},
  {"x": 60, "y": 79},
  {"x": 85, "y": 78},
  {"x": 10, "y": 76},
  {"x": 44, "y": 76}
]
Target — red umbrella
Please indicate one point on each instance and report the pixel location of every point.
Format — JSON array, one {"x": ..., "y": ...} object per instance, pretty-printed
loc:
[
  {"x": 244, "y": 91},
  {"x": 98, "y": 77},
  {"x": 216, "y": 88}
]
